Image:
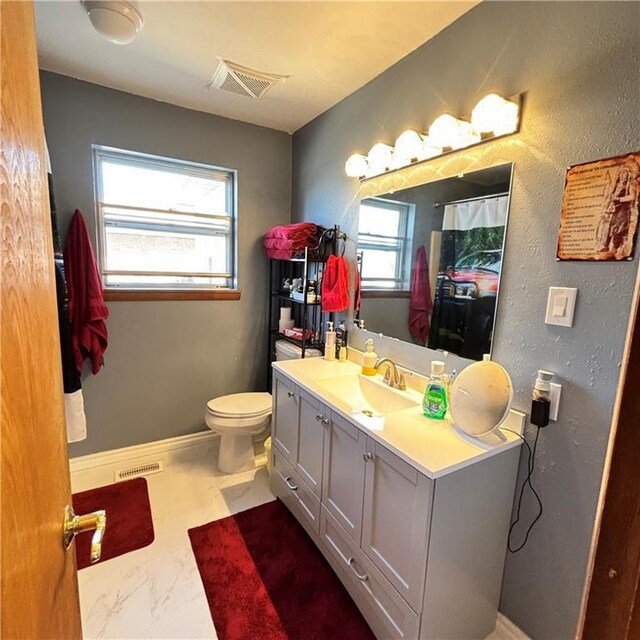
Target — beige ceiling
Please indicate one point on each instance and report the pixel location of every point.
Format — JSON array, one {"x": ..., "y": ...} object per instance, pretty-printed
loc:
[{"x": 329, "y": 49}]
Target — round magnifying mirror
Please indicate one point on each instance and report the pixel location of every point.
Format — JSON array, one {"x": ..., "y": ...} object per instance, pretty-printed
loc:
[{"x": 480, "y": 398}]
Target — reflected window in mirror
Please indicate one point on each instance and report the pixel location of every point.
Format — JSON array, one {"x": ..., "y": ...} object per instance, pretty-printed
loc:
[
  {"x": 431, "y": 260},
  {"x": 384, "y": 245}
]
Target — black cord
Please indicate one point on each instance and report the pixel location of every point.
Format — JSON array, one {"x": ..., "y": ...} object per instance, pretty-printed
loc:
[{"x": 527, "y": 481}]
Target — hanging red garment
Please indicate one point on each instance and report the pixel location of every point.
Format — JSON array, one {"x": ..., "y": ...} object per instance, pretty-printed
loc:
[
  {"x": 335, "y": 285},
  {"x": 87, "y": 309},
  {"x": 420, "y": 305}
]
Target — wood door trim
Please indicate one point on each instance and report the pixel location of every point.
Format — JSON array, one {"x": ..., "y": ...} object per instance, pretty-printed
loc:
[{"x": 611, "y": 599}]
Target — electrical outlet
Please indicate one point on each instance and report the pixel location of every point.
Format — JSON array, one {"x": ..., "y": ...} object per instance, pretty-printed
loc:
[{"x": 554, "y": 401}]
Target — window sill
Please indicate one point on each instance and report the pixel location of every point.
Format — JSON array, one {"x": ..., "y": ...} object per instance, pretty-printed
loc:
[
  {"x": 150, "y": 295},
  {"x": 384, "y": 293}
]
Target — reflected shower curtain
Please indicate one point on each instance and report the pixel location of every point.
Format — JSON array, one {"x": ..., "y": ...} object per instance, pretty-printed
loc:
[{"x": 468, "y": 276}]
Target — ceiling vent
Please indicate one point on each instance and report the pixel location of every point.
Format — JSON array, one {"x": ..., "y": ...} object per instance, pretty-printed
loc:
[{"x": 243, "y": 81}]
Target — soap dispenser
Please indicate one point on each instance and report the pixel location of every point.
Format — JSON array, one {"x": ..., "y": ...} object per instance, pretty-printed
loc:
[
  {"x": 434, "y": 403},
  {"x": 330, "y": 343},
  {"x": 369, "y": 359}
]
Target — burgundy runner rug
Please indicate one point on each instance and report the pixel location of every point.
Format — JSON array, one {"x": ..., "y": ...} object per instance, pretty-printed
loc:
[
  {"x": 266, "y": 580},
  {"x": 129, "y": 522}
]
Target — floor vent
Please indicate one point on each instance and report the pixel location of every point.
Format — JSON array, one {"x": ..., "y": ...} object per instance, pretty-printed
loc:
[
  {"x": 235, "y": 78},
  {"x": 139, "y": 470}
]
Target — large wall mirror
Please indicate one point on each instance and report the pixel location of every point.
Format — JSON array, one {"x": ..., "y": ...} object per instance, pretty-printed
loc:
[{"x": 430, "y": 259}]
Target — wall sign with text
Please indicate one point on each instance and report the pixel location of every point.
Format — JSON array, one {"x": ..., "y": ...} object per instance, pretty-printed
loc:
[{"x": 599, "y": 218}]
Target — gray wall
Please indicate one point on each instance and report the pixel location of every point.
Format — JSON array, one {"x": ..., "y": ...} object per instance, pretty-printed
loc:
[
  {"x": 578, "y": 64},
  {"x": 166, "y": 359}
]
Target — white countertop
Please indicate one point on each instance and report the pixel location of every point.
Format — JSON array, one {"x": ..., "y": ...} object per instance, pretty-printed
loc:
[{"x": 433, "y": 447}]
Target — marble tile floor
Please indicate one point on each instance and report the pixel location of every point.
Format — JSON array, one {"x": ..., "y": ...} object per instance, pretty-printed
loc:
[{"x": 156, "y": 592}]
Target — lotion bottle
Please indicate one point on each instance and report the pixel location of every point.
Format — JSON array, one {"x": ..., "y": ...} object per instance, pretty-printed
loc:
[
  {"x": 330, "y": 343},
  {"x": 369, "y": 359}
]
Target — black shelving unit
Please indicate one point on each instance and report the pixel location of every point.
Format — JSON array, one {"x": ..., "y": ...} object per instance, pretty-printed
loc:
[{"x": 306, "y": 315}]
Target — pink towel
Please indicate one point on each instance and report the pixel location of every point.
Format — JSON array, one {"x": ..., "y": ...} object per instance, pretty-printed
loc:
[
  {"x": 87, "y": 309},
  {"x": 335, "y": 285},
  {"x": 420, "y": 305}
]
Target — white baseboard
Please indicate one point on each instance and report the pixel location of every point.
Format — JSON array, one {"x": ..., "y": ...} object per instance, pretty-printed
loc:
[
  {"x": 148, "y": 449},
  {"x": 507, "y": 630}
]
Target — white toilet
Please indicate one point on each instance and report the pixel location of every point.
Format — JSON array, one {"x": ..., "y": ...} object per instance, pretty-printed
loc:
[{"x": 238, "y": 418}]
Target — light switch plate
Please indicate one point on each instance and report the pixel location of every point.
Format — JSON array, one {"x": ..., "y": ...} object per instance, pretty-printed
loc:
[{"x": 561, "y": 306}]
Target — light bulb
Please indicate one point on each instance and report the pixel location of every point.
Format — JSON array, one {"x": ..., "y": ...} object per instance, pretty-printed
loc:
[
  {"x": 447, "y": 131},
  {"x": 408, "y": 147},
  {"x": 494, "y": 114},
  {"x": 428, "y": 149},
  {"x": 380, "y": 158},
  {"x": 356, "y": 166}
]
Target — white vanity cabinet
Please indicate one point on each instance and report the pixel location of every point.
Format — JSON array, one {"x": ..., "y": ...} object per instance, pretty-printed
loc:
[
  {"x": 421, "y": 557},
  {"x": 343, "y": 474},
  {"x": 284, "y": 418},
  {"x": 395, "y": 523}
]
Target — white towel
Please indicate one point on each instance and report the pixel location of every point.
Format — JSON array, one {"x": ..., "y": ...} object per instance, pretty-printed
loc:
[{"x": 74, "y": 414}]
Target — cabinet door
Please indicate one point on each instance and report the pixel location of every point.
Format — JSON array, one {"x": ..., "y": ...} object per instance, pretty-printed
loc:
[
  {"x": 312, "y": 423},
  {"x": 395, "y": 523},
  {"x": 284, "y": 423},
  {"x": 343, "y": 474}
]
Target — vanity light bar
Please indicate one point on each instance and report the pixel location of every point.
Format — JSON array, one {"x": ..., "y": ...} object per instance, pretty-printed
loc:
[{"x": 491, "y": 118}]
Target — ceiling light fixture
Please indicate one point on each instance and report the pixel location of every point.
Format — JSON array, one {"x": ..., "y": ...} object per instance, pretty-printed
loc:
[
  {"x": 493, "y": 117},
  {"x": 116, "y": 20}
]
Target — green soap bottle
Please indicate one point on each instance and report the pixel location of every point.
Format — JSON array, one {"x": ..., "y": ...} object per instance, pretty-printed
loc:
[{"x": 434, "y": 403}]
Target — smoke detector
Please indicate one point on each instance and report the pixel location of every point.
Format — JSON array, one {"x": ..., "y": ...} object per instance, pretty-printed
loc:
[
  {"x": 243, "y": 81},
  {"x": 116, "y": 20}
]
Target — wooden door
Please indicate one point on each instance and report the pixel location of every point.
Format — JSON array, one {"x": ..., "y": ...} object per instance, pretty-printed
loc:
[
  {"x": 395, "y": 520},
  {"x": 314, "y": 420},
  {"x": 284, "y": 424},
  {"x": 343, "y": 474},
  {"x": 39, "y": 581},
  {"x": 611, "y": 607}
]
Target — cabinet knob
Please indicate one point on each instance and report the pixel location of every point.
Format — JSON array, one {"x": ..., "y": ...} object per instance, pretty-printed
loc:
[
  {"x": 293, "y": 487},
  {"x": 290, "y": 394},
  {"x": 368, "y": 456},
  {"x": 326, "y": 421},
  {"x": 319, "y": 417},
  {"x": 361, "y": 576}
]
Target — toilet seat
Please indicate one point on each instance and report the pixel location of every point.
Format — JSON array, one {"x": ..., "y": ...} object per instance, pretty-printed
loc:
[{"x": 242, "y": 406}]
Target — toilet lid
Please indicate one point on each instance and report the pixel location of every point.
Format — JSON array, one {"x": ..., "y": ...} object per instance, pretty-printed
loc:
[{"x": 241, "y": 405}]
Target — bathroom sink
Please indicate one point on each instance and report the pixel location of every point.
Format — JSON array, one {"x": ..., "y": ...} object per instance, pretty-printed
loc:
[{"x": 369, "y": 396}]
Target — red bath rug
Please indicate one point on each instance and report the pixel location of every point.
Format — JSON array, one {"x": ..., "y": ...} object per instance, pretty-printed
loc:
[
  {"x": 129, "y": 523},
  {"x": 266, "y": 580}
]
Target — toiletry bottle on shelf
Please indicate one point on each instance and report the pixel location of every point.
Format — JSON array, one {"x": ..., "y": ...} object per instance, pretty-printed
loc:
[
  {"x": 330, "y": 343},
  {"x": 369, "y": 359},
  {"x": 345, "y": 333},
  {"x": 434, "y": 403}
]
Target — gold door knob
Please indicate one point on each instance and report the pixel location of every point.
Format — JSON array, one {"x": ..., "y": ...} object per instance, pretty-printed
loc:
[{"x": 74, "y": 524}]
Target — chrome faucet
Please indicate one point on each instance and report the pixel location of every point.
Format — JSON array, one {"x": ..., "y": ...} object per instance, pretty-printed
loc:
[{"x": 392, "y": 377}]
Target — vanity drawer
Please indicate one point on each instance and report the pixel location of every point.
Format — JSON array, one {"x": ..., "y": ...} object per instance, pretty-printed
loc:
[
  {"x": 387, "y": 613},
  {"x": 295, "y": 494}
]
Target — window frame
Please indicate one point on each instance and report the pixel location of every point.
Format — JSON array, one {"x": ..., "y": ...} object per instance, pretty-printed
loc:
[
  {"x": 400, "y": 247},
  {"x": 160, "y": 291}
]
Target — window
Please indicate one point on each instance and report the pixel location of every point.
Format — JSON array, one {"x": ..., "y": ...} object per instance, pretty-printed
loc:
[
  {"x": 162, "y": 223},
  {"x": 382, "y": 243}
]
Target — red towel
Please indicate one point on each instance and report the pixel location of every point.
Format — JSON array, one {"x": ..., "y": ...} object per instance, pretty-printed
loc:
[
  {"x": 335, "y": 285},
  {"x": 420, "y": 305},
  {"x": 87, "y": 309},
  {"x": 284, "y": 241}
]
